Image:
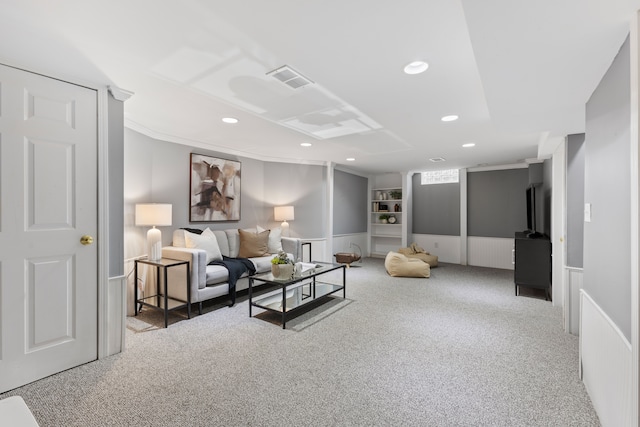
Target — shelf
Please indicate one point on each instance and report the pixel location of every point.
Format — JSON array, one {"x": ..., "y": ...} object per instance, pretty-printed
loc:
[
  {"x": 385, "y": 237},
  {"x": 297, "y": 296},
  {"x": 157, "y": 301}
]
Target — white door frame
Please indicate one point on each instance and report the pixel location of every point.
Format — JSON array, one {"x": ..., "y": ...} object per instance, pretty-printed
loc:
[
  {"x": 103, "y": 221},
  {"x": 634, "y": 40},
  {"x": 559, "y": 224},
  {"x": 102, "y": 240}
]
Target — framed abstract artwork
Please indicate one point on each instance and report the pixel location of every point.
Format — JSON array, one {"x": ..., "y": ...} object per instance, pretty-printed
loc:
[{"x": 215, "y": 189}]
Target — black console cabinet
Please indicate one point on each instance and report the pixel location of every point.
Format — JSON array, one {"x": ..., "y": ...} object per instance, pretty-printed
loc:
[{"x": 533, "y": 263}]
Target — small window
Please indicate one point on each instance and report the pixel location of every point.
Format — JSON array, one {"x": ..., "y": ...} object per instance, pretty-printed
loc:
[{"x": 439, "y": 177}]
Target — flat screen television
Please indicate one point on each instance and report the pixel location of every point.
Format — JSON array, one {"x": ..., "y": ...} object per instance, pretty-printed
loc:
[{"x": 531, "y": 212}]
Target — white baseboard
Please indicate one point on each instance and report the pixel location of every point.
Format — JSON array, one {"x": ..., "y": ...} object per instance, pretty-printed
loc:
[
  {"x": 116, "y": 314},
  {"x": 605, "y": 364},
  {"x": 318, "y": 250},
  {"x": 571, "y": 299},
  {"x": 446, "y": 248}
]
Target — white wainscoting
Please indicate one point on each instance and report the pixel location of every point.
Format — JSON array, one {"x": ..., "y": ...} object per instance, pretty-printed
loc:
[
  {"x": 116, "y": 314},
  {"x": 318, "y": 250},
  {"x": 493, "y": 252},
  {"x": 571, "y": 299},
  {"x": 605, "y": 364},
  {"x": 342, "y": 243},
  {"x": 447, "y": 248}
]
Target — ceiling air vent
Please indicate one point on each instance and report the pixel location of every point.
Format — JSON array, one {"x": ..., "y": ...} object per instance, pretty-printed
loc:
[
  {"x": 290, "y": 77},
  {"x": 437, "y": 159}
]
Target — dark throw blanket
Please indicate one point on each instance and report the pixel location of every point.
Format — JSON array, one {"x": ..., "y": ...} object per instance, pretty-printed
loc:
[{"x": 237, "y": 267}]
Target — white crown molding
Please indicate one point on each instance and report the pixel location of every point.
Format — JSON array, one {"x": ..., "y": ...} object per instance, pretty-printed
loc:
[
  {"x": 498, "y": 167},
  {"x": 130, "y": 124},
  {"x": 120, "y": 94}
]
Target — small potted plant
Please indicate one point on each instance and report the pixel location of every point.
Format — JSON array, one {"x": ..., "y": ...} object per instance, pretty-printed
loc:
[
  {"x": 281, "y": 266},
  {"x": 395, "y": 194},
  {"x": 384, "y": 218}
]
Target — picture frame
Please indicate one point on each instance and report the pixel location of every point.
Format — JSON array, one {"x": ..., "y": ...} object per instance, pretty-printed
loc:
[{"x": 214, "y": 188}]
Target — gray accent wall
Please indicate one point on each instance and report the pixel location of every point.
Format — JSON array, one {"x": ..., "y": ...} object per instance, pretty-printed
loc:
[
  {"x": 607, "y": 237},
  {"x": 302, "y": 186},
  {"x": 158, "y": 171},
  {"x": 115, "y": 155},
  {"x": 349, "y": 203},
  {"x": 435, "y": 208},
  {"x": 496, "y": 202},
  {"x": 575, "y": 199}
]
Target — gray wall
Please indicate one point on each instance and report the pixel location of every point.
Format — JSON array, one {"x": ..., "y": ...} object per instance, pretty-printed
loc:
[
  {"x": 575, "y": 199},
  {"x": 496, "y": 202},
  {"x": 607, "y": 238},
  {"x": 302, "y": 186},
  {"x": 159, "y": 171},
  {"x": 436, "y": 208},
  {"x": 349, "y": 203},
  {"x": 116, "y": 177}
]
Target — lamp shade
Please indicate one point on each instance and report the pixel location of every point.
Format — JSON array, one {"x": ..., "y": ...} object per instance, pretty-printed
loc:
[
  {"x": 283, "y": 213},
  {"x": 155, "y": 214}
]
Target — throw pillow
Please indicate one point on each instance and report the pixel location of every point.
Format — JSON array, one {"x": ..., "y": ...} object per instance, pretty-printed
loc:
[
  {"x": 192, "y": 230},
  {"x": 275, "y": 239},
  {"x": 206, "y": 241},
  {"x": 253, "y": 244}
]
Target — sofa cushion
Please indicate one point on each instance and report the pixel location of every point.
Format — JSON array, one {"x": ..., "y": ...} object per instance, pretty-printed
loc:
[
  {"x": 275, "y": 239},
  {"x": 206, "y": 241},
  {"x": 217, "y": 274},
  {"x": 253, "y": 244},
  {"x": 223, "y": 242},
  {"x": 262, "y": 264},
  {"x": 233, "y": 237}
]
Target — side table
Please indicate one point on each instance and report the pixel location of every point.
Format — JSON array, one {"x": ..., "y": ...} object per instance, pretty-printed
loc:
[
  {"x": 161, "y": 300},
  {"x": 302, "y": 245}
]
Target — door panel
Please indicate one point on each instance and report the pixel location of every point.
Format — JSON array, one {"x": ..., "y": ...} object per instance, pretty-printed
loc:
[
  {"x": 48, "y": 201},
  {"x": 49, "y": 172},
  {"x": 49, "y": 283}
]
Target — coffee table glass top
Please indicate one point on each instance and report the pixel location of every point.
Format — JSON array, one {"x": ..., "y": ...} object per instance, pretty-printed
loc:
[{"x": 320, "y": 268}]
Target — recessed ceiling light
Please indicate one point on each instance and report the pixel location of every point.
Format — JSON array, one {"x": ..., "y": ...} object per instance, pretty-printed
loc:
[
  {"x": 449, "y": 118},
  {"x": 416, "y": 67},
  {"x": 230, "y": 120},
  {"x": 351, "y": 159},
  {"x": 306, "y": 144},
  {"x": 437, "y": 159},
  {"x": 469, "y": 144}
]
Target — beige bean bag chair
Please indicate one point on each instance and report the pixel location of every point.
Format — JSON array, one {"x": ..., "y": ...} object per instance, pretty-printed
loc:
[
  {"x": 415, "y": 251},
  {"x": 398, "y": 265}
]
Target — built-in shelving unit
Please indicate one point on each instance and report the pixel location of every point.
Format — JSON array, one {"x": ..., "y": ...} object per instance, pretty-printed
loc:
[{"x": 386, "y": 223}]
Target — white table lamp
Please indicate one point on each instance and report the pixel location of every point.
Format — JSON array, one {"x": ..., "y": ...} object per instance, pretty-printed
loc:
[
  {"x": 153, "y": 214},
  {"x": 284, "y": 214}
]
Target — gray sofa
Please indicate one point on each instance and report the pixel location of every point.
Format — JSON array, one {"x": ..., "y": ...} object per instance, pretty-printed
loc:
[{"x": 212, "y": 281}]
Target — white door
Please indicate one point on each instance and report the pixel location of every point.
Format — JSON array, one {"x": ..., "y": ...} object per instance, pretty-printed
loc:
[{"x": 48, "y": 201}]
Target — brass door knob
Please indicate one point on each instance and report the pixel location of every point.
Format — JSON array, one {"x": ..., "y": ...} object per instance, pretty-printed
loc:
[{"x": 86, "y": 240}]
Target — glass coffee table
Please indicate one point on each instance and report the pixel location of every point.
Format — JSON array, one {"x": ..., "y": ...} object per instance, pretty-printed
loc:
[{"x": 297, "y": 292}]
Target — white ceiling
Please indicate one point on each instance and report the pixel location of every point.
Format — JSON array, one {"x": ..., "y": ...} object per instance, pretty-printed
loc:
[{"x": 518, "y": 73}]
